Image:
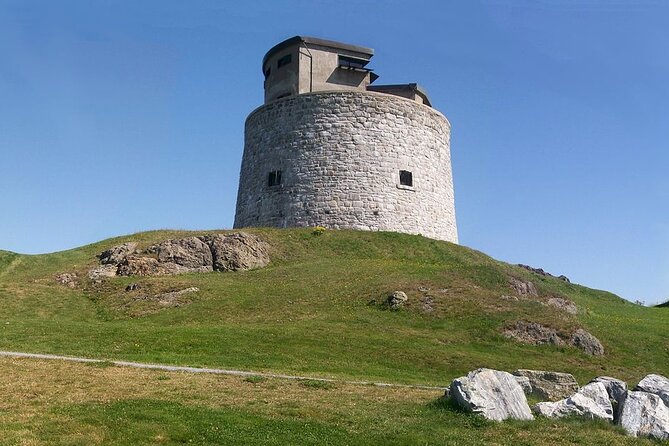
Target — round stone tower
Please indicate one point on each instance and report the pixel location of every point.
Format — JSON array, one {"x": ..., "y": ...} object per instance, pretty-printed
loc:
[{"x": 330, "y": 149}]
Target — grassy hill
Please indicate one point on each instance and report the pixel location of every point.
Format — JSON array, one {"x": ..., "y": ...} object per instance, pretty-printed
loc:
[{"x": 316, "y": 311}]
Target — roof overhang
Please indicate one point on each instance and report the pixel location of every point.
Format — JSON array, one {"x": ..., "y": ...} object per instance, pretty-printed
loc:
[{"x": 316, "y": 41}]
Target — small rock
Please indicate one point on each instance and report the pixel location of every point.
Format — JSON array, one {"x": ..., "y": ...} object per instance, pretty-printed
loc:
[
  {"x": 396, "y": 300},
  {"x": 644, "y": 414},
  {"x": 133, "y": 287},
  {"x": 102, "y": 272},
  {"x": 172, "y": 296},
  {"x": 591, "y": 401},
  {"x": 523, "y": 288},
  {"x": 117, "y": 254},
  {"x": 494, "y": 394},
  {"x": 587, "y": 342},
  {"x": 534, "y": 333},
  {"x": 511, "y": 298},
  {"x": 427, "y": 303},
  {"x": 552, "y": 386},
  {"x": 656, "y": 384},
  {"x": 563, "y": 304},
  {"x": 70, "y": 280}
]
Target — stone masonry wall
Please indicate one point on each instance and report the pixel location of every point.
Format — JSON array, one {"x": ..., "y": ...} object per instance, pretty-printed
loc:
[{"x": 340, "y": 154}]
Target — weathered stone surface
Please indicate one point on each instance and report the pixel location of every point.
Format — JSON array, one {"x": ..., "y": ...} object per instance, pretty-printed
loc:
[
  {"x": 549, "y": 385},
  {"x": 523, "y": 288},
  {"x": 190, "y": 252},
  {"x": 591, "y": 401},
  {"x": 70, "y": 280},
  {"x": 645, "y": 414},
  {"x": 135, "y": 265},
  {"x": 345, "y": 150},
  {"x": 102, "y": 272},
  {"x": 494, "y": 394},
  {"x": 617, "y": 389},
  {"x": 587, "y": 342},
  {"x": 117, "y": 254},
  {"x": 534, "y": 333},
  {"x": 396, "y": 300},
  {"x": 656, "y": 384},
  {"x": 525, "y": 383},
  {"x": 563, "y": 304},
  {"x": 169, "y": 299},
  {"x": 238, "y": 251}
]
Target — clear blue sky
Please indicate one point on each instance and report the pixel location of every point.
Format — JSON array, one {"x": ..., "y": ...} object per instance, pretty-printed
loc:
[{"x": 123, "y": 116}]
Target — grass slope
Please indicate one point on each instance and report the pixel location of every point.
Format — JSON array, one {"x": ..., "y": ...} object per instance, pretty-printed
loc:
[
  {"x": 314, "y": 311},
  {"x": 310, "y": 313}
]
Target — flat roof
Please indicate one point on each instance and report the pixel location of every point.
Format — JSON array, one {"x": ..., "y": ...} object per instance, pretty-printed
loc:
[
  {"x": 315, "y": 41},
  {"x": 410, "y": 87}
]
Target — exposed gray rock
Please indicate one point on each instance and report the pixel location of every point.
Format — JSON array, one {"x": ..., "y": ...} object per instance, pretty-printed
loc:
[
  {"x": 189, "y": 252},
  {"x": 644, "y": 414},
  {"x": 591, "y": 401},
  {"x": 168, "y": 299},
  {"x": 656, "y": 384},
  {"x": 549, "y": 385},
  {"x": 563, "y": 304},
  {"x": 133, "y": 287},
  {"x": 117, "y": 254},
  {"x": 523, "y": 288},
  {"x": 70, "y": 280},
  {"x": 525, "y": 383},
  {"x": 102, "y": 272},
  {"x": 494, "y": 394},
  {"x": 617, "y": 389},
  {"x": 534, "y": 333},
  {"x": 587, "y": 342},
  {"x": 396, "y": 300},
  {"x": 511, "y": 298},
  {"x": 238, "y": 251},
  {"x": 135, "y": 265}
]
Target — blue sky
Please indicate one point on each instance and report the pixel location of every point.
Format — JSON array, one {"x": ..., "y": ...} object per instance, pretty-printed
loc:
[{"x": 123, "y": 116}]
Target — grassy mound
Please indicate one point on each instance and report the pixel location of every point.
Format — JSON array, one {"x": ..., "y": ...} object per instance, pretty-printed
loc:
[{"x": 317, "y": 310}]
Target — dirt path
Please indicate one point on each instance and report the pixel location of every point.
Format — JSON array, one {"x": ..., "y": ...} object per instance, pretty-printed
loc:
[{"x": 173, "y": 368}]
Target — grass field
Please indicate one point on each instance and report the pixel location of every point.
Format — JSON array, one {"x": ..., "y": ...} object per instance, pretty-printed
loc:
[{"x": 315, "y": 311}]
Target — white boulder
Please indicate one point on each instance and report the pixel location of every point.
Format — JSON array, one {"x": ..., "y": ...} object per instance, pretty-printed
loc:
[
  {"x": 657, "y": 384},
  {"x": 591, "y": 401},
  {"x": 494, "y": 394},
  {"x": 644, "y": 414}
]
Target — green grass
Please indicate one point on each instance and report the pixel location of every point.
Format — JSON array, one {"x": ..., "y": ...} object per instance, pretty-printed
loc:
[{"x": 317, "y": 311}]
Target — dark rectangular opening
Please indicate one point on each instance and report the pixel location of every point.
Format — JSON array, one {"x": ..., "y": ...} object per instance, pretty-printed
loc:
[
  {"x": 285, "y": 60},
  {"x": 406, "y": 178},
  {"x": 352, "y": 62},
  {"x": 274, "y": 178}
]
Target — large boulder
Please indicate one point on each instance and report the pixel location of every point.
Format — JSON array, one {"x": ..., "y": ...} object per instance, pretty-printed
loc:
[
  {"x": 101, "y": 272},
  {"x": 591, "y": 401},
  {"x": 238, "y": 251},
  {"x": 617, "y": 390},
  {"x": 189, "y": 252},
  {"x": 644, "y": 414},
  {"x": 534, "y": 333},
  {"x": 494, "y": 394},
  {"x": 523, "y": 287},
  {"x": 396, "y": 300},
  {"x": 587, "y": 342},
  {"x": 563, "y": 304},
  {"x": 117, "y": 254},
  {"x": 657, "y": 384},
  {"x": 148, "y": 266},
  {"x": 549, "y": 385}
]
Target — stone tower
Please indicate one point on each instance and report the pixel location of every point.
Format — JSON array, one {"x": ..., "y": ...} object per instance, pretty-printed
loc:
[{"x": 329, "y": 148}]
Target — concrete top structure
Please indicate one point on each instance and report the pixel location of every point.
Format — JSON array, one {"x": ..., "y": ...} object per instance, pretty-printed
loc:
[{"x": 304, "y": 64}]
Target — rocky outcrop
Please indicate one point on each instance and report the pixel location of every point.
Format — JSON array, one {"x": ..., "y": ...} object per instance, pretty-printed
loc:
[
  {"x": 523, "y": 288},
  {"x": 656, "y": 384},
  {"x": 70, "y": 280},
  {"x": 190, "y": 252},
  {"x": 587, "y": 342},
  {"x": 591, "y": 401},
  {"x": 220, "y": 252},
  {"x": 645, "y": 414},
  {"x": 541, "y": 272},
  {"x": 494, "y": 394},
  {"x": 563, "y": 304},
  {"x": 549, "y": 385},
  {"x": 396, "y": 300},
  {"x": 534, "y": 333},
  {"x": 117, "y": 254},
  {"x": 537, "y": 334},
  {"x": 238, "y": 251}
]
